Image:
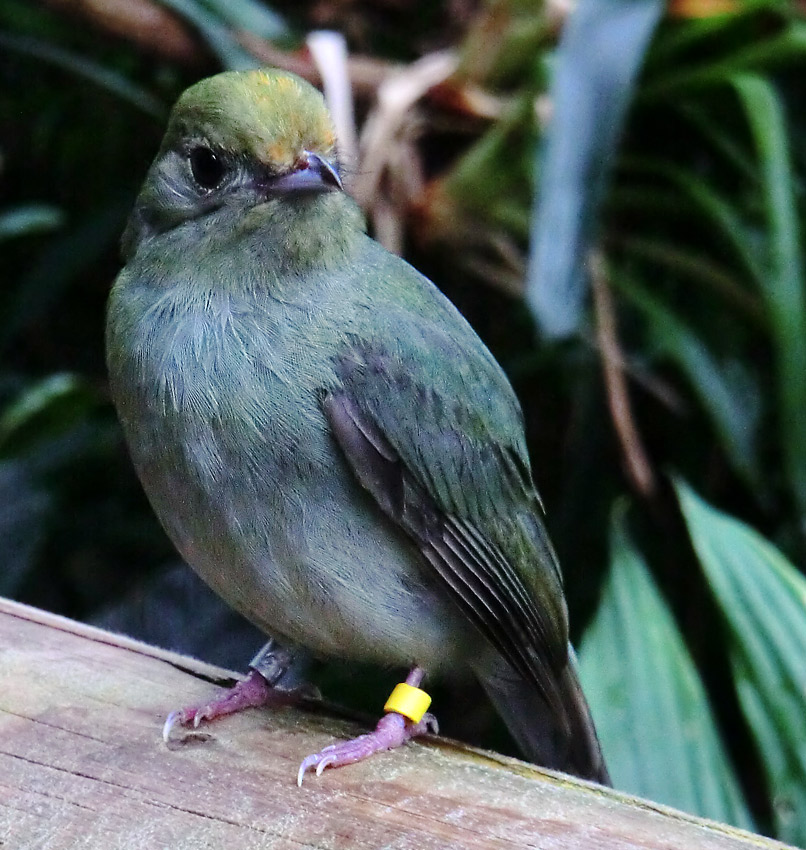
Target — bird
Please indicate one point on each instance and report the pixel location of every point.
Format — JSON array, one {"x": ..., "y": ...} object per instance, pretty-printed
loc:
[{"x": 323, "y": 436}]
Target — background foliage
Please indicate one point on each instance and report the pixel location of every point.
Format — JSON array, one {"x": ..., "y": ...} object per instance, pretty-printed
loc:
[{"x": 616, "y": 202}]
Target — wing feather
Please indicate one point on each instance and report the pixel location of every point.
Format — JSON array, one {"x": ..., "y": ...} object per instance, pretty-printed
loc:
[{"x": 423, "y": 477}]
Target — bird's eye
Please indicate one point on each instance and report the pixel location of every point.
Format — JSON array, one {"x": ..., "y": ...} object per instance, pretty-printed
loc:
[{"x": 207, "y": 167}]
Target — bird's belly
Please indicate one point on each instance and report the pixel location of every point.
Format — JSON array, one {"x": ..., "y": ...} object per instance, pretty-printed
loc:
[{"x": 297, "y": 547}]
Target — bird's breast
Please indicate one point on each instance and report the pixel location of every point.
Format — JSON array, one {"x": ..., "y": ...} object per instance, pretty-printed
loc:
[
  {"x": 220, "y": 404},
  {"x": 223, "y": 426}
]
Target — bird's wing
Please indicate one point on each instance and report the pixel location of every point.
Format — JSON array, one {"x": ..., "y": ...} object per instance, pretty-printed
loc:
[{"x": 431, "y": 428}]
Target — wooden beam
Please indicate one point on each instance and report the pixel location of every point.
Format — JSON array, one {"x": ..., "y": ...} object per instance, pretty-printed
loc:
[{"x": 82, "y": 765}]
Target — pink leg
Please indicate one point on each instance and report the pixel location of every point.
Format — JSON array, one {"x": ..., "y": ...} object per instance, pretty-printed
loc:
[
  {"x": 392, "y": 731},
  {"x": 252, "y": 691}
]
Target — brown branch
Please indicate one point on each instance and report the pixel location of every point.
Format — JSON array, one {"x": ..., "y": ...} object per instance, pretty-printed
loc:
[
  {"x": 366, "y": 73},
  {"x": 149, "y": 26},
  {"x": 160, "y": 31},
  {"x": 639, "y": 469}
]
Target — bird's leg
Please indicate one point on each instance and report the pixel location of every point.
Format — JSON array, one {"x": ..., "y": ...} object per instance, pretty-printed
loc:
[
  {"x": 263, "y": 686},
  {"x": 393, "y": 729}
]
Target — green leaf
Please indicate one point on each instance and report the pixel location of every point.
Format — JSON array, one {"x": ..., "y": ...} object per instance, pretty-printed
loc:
[
  {"x": 80, "y": 66},
  {"x": 27, "y": 219},
  {"x": 251, "y": 16},
  {"x": 600, "y": 54},
  {"x": 657, "y": 731},
  {"x": 679, "y": 37},
  {"x": 488, "y": 180},
  {"x": 783, "y": 283},
  {"x": 785, "y": 48},
  {"x": 733, "y": 413},
  {"x": 723, "y": 140},
  {"x": 221, "y": 40},
  {"x": 763, "y": 599},
  {"x": 718, "y": 212},
  {"x": 63, "y": 260},
  {"x": 697, "y": 268},
  {"x": 37, "y": 400}
]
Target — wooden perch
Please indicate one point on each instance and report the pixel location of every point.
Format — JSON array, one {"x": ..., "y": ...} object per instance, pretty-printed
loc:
[{"x": 82, "y": 764}]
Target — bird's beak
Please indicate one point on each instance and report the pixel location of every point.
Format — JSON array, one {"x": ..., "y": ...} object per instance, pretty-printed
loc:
[{"x": 312, "y": 174}]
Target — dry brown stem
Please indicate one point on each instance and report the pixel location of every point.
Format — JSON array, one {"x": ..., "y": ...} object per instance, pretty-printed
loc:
[
  {"x": 146, "y": 24},
  {"x": 618, "y": 399}
]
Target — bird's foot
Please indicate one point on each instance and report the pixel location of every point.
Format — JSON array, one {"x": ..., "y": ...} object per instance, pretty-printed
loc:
[
  {"x": 393, "y": 729},
  {"x": 248, "y": 693}
]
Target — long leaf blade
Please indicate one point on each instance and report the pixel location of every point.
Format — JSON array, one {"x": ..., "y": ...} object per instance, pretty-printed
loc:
[
  {"x": 647, "y": 699},
  {"x": 733, "y": 411},
  {"x": 217, "y": 35},
  {"x": 598, "y": 60},
  {"x": 28, "y": 219},
  {"x": 763, "y": 599},
  {"x": 758, "y": 55},
  {"x": 80, "y": 66},
  {"x": 716, "y": 211},
  {"x": 783, "y": 284},
  {"x": 251, "y": 16}
]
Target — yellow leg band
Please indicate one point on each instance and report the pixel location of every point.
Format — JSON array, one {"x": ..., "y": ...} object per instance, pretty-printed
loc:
[{"x": 409, "y": 701}]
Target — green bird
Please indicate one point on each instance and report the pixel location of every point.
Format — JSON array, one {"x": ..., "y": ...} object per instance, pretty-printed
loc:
[{"x": 323, "y": 436}]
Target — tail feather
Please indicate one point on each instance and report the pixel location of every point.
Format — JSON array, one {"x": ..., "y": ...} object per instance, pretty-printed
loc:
[{"x": 568, "y": 743}]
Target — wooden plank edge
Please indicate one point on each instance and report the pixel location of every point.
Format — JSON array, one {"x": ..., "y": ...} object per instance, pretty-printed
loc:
[{"x": 223, "y": 677}]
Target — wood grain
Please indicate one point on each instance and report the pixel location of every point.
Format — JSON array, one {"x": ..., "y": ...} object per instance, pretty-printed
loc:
[{"x": 82, "y": 765}]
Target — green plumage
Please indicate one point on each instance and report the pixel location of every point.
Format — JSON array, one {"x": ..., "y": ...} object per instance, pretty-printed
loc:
[{"x": 325, "y": 439}]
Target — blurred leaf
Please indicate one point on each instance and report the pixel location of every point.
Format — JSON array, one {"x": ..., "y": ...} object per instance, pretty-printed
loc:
[
  {"x": 697, "y": 268},
  {"x": 488, "y": 180},
  {"x": 251, "y": 16},
  {"x": 36, "y": 401},
  {"x": 220, "y": 38},
  {"x": 762, "y": 54},
  {"x": 600, "y": 53},
  {"x": 683, "y": 34},
  {"x": 723, "y": 140},
  {"x": 723, "y": 215},
  {"x": 733, "y": 413},
  {"x": 783, "y": 285},
  {"x": 501, "y": 46},
  {"x": 88, "y": 69},
  {"x": 65, "y": 257},
  {"x": 657, "y": 731},
  {"x": 28, "y": 219},
  {"x": 763, "y": 599}
]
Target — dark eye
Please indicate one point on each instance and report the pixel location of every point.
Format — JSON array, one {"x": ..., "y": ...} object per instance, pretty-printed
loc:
[{"x": 207, "y": 167}]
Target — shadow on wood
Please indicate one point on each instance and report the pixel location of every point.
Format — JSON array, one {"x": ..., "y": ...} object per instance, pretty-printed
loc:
[{"x": 82, "y": 763}]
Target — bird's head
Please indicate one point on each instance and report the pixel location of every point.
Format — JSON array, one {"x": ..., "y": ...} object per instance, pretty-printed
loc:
[{"x": 235, "y": 141}]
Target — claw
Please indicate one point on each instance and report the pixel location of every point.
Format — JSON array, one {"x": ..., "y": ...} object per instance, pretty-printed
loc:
[
  {"x": 392, "y": 731},
  {"x": 170, "y": 722},
  {"x": 318, "y": 760},
  {"x": 308, "y": 761},
  {"x": 252, "y": 691},
  {"x": 320, "y": 768},
  {"x": 430, "y": 724}
]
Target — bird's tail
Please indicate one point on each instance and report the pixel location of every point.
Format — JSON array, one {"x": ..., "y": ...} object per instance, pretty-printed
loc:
[{"x": 568, "y": 743}]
